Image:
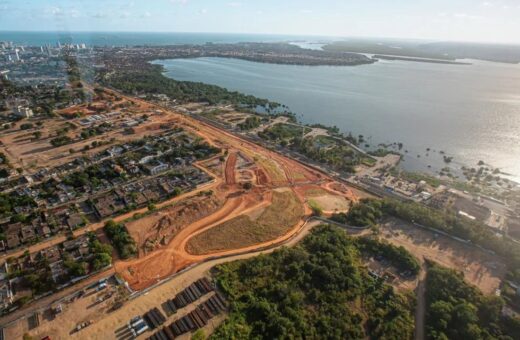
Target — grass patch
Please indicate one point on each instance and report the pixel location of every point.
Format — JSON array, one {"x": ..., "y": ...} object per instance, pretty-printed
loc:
[
  {"x": 239, "y": 232},
  {"x": 282, "y": 131},
  {"x": 324, "y": 141},
  {"x": 417, "y": 177},
  {"x": 368, "y": 161},
  {"x": 274, "y": 172},
  {"x": 316, "y": 192}
]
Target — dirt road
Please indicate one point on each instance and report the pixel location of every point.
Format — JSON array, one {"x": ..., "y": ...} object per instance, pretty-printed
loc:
[
  {"x": 45, "y": 302},
  {"x": 105, "y": 328},
  {"x": 95, "y": 226},
  {"x": 420, "y": 308}
]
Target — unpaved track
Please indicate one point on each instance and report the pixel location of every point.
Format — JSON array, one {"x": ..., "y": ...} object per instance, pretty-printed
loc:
[
  {"x": 105, "y": 328},
  {"x": 95, "y": 226},
  {"x": 143, "y": 272},
  {"x": 420, "y": 308},
  {"x": 230, "y": 169},
  {"x": 161, "y": 263}
]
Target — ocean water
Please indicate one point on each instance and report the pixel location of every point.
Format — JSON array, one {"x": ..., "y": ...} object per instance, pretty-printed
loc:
[
  {"x": 469, "y": 112},
  {"x": 138, "y": 38}
]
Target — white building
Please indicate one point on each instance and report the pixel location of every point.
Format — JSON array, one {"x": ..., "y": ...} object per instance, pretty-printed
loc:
[
  {"x": 21, "y": 111},
  {"x": 3, "y": 74}
]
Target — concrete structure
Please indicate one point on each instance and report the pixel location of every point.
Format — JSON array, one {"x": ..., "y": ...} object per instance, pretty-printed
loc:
[
  {"x": 3, "y": 74},
  {"x": 21, "y": 111}
]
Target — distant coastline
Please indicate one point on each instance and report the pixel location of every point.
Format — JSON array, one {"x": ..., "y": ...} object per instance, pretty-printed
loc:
[{"x": 422, "y": 60}]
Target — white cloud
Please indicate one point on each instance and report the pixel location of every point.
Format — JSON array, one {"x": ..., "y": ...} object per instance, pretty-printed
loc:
[{"x": 467, "y": 16}]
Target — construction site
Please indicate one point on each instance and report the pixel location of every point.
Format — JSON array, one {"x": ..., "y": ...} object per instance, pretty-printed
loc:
[
  {"x": 256, "y": 201},
  {"x": 240, "y": 211}
]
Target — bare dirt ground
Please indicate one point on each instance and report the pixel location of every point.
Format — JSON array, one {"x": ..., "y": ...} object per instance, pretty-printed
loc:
[
  {"x": 17, "y": 329},
  {"x": 331, "y": 203},
  {"x": 269, "y": 171},
  {"x": 328, "y": 200},
  {"x": 480, "y": 269},
  {"x": 25, "y": 151},
  {"x": 108, "y": 323},
  {"x": 420, "y": 308},
  {"x": 91, "y": 307},
  {"x": 246, "y": 230},
  {"x": 158, "y": 229},
  {"x": 387, "y": 161}
]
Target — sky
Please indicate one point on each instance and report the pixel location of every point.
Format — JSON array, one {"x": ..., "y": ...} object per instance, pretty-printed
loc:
[{"x": 451, "y": 20}]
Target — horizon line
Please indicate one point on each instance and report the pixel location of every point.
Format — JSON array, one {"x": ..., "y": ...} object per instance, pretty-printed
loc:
[{"x": 436, "y": 40}]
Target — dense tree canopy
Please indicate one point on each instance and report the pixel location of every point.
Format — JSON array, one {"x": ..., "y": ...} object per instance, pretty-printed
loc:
[
  {"x": 369, "y": 211},
  {"x": 150, "y": 80},
  {"x": 456, "y": 310},
  {"x": 318, "y": 289},
  {"x": 119, "y": 236}
]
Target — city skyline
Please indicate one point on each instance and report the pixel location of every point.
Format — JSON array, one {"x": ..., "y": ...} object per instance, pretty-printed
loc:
[{"x": 461, "y": 20}]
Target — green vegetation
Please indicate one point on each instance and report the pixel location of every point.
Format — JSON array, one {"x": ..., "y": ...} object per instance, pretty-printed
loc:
[
  {"x": 61, "y": 140},
  {"x": 3, "y": 159},
  {"x": 250, "y": 123},
  {"x": 9, "y": 201},
  {"x": 364, "y": 214},
  {"x": 199, "y": 335},
  {"x": 95, "y": 131},
  {"x": 102, "y": 253},
  {"x": 242, "y": 231},
  {"x": 150, "y": 80},
  {"x": 119, "y": 236},
  {"x": 282, "y": 131},
  {"x": 91, "y": 176},
  {"x": 338, "y": 154},
  {"x": 199, "y": 148},
  {"x": 318, "y": 289},
  {"x": 449, "y": 222},
  {"x": 399, "y": 257},
  {"x": 456, "y": 310},
  {"x": 367, "y": 212},
  {"x": 382, "y": 152},
  {"x": 316, "y": 209},
  {"x": 37, "y": 276},
  {"x": 419, "y": 176},
  {"x": 26, "y": 126},
  {"x": 4, "y": 173}
]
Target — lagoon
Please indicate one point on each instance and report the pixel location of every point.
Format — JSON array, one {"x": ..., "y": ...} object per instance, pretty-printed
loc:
[{"x": 469, "y": 112}]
